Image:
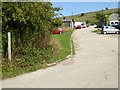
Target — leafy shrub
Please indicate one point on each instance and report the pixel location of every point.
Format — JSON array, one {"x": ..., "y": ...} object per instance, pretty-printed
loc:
[
  {"x": 100, "y": 16},
  {"x": 33, "y": 58},
  {"x": 88, "y": 21},
  {"x": 29, "y": 24}
]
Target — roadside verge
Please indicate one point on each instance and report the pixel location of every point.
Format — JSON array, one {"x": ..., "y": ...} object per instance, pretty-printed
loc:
[{"x": 65, "y": 44}]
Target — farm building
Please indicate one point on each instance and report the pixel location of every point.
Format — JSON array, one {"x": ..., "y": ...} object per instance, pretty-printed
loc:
[
  {"x": 113, "y": 20},
  {"x": 68, "y": 22}
]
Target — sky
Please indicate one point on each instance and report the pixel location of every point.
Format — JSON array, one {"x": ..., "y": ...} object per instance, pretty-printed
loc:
[
  {"x": 83, "y": 7},
  {"x": 83, "y": 0}
]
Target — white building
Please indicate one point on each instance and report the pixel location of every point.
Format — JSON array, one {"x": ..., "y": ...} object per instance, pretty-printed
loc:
[
  {"x": 114, "y": 19},
  {"x": 68, "y": 22}
]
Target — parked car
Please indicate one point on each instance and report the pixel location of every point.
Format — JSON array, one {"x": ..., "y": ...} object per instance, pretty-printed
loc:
[
  {"x": 117, "y": 26},
  {"x": 78, "y": 27},
  {"x": 109, "y": 29},
  {"x": 83, "y": 25},
  {"x": 59, "y": 30}
]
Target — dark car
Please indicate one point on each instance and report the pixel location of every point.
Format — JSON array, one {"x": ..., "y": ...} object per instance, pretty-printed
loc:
[{"x": 117, "y": 26}]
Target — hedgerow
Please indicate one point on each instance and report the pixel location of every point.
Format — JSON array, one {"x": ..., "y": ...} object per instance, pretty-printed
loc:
[{"x": 29, "y": 24}]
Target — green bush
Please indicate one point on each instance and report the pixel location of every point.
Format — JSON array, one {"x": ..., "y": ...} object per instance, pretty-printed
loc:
[
  {"x": 33, "y": 58},
  {"x": 100, "y": 16},
  {"x": 30, "y": 24}
]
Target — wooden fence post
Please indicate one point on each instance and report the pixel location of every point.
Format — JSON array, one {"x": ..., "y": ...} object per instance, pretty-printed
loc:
[{"x": 9, "y": 46}]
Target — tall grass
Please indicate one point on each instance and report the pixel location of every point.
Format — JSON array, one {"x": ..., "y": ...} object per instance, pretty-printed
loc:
[{"x": 64, "y": 45}]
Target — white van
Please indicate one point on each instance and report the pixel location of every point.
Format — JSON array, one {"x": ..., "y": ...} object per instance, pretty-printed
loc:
[
  {"x": 112, "y": 23},
  {"x": 82, "y": 24},
  {"x": 109, "y": 29}
]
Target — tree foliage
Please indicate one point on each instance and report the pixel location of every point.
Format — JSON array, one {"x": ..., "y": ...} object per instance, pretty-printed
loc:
[
  {"x": 106, "y": 20},
  {"x": 82, "y": 14},
  {"x": 100, "y": 16},
  {"x": 57, "y": 22},
  {"x": 106, "y": 8},
  {"x": 29, "y": 23}
]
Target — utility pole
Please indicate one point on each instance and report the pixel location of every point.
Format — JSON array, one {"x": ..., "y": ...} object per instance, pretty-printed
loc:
[
  {"x": 9, "y": 46},
  {"x": 72, "y": 14}
]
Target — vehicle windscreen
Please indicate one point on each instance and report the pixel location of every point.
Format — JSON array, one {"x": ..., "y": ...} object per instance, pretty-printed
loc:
[{"x": 106, "y": 27}]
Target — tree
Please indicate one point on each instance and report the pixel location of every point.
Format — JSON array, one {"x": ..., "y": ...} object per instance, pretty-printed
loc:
[
  {"x": 29, "y": 23},
  {"x": 87, "y": 21},
  {"x": 82, "y": 14},
  {"x": 56, "y": 22},
  {"x": 106, "y": 19},
  {"x": 106, "y": 8},
  {"x": 64, "y": 18}
]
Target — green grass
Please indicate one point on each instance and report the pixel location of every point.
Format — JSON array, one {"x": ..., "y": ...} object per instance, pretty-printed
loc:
[
  {"x": 0, "y": 54},
  {"x": 73, "y": 48},
  {"x": 0, "y": 43},
  {"x": 19, "y": 71},
  {"x": 64, "y": 48},
  {"x": 97, "y": 31},
  {"x": 0, "y": 72},
  {"x": 63, "y": 41},
  {"x": 90, "y": 16}
]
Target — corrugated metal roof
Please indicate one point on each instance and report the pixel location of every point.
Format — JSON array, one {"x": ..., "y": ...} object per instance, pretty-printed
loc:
[{"x": 67, "y": 20}]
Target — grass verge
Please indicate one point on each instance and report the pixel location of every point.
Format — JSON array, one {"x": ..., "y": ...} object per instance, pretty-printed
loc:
[
  {"x": 73, "y": 50},
  {"x": 12, "y": 68},
  {"x": 96, "y": 31},
  {"x": 90, "y": 16},
  {"x": 64, "y": 46},
  {"x": 0, "y": 54}
]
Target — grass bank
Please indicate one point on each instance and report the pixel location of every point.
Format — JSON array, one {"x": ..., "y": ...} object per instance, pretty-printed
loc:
[
  {"x": 64, "y": 46},
  {"x": 96, "y": 31},
  {"x": 90, "y": 16},
  {"x": 0, "y": 54},
  {"x": 42, "y": 59}
]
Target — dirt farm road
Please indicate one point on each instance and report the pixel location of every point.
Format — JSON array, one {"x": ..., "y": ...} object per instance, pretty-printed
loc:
[{"x": 95, "y": 65}]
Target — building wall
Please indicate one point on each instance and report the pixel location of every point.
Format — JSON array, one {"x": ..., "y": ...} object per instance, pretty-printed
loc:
[
  {"x": 68, "y": 23},
  {"x": 114, "y": 17}
]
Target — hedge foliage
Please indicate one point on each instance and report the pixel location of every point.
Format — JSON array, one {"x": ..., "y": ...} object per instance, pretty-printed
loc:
[{"x": 29, "y": 24}]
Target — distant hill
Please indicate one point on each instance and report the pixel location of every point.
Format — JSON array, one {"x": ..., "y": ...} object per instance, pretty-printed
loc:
[{"x": 91, "y": 16}]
